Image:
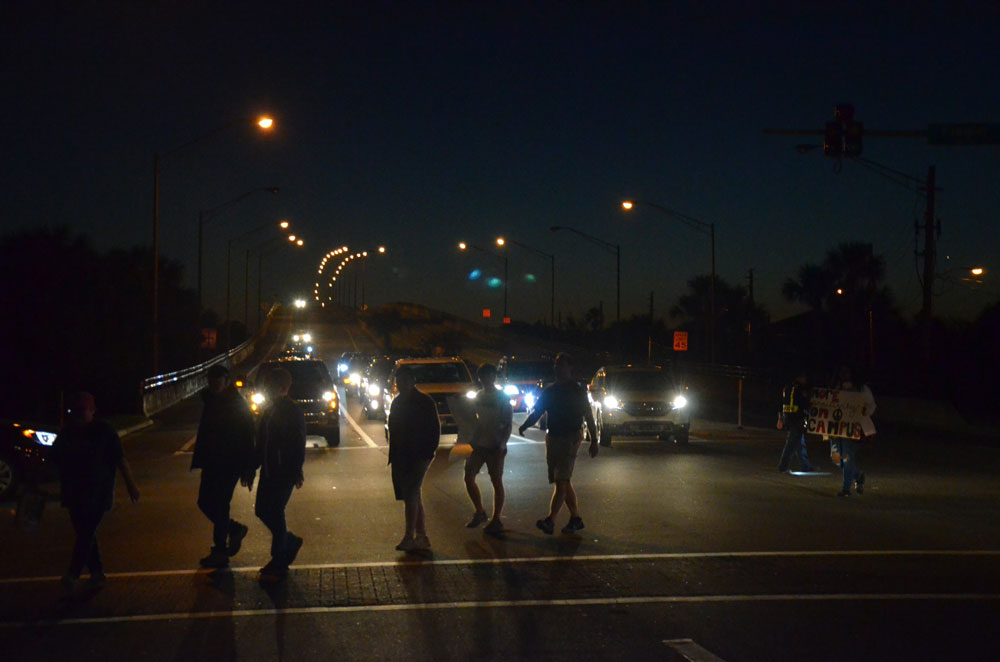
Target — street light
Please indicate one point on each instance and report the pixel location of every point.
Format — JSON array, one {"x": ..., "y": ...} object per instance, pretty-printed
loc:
[
  {"x": 613, "y": 248},
  {"x": 260, "y": 259},
  {"x": 464, "y": 246},
  {"x": 502, "y": 241},
  {"x": 207, "y": 216},
  {"x": 265, "y": 123},
  {"x": 229, "y": 259},
  {"x": 700, "y": 226}
]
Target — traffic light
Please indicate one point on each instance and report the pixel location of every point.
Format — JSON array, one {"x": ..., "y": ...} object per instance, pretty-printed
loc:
[{"x": 833, "y": 139}]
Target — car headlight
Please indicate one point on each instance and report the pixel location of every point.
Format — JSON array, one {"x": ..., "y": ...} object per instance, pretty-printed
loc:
[
  {"x": 295, "y": 337},
  {"x": 355, "y": 378},
  {"x": 43, "y": 438},
  {"x": 257, "y": 398},
  {"x": 529, "y": 400},
  {"x": 309, "y": 348},
  {"x": 329, "y": 395},
  {"x": 611, "y": 402},
  {"x": 680, "y": 402},
  {"x": 307, "y": 337},
  {"x": 511, "y": 389},
  {"x": 373, "y": 390},
  {"x": 342, "y": 367},
  {"x": 471, "y": 395}
]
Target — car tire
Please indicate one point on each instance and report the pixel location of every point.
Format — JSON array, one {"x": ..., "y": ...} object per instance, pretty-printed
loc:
[
  {"x": 681, "y": 436},
  {"x": 371, "y": 414},
  {"x": 603, "y": 432},
  {"x": 8, "y": 478},
  {"x": 332, "y": 437}
]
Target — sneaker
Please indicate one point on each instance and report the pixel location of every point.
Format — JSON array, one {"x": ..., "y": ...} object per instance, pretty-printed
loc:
[
  {"x": 237, "y": 532},
  {"x": 406, "y": 544},
  {"x": 97, "y": 580},
  {"x": 217, "y": 558},
  {"x": 292, "y": 546},
  {"x": 546, "y": 525},
  {"x": 421, "y": 542},
  {"x": 575, "y": 524},
  {"x": 494, "y": 528},
  {"x": 860, "y": 483},
  {"x": 844, "y": 493},
  {"x": 476, "y": 520}
]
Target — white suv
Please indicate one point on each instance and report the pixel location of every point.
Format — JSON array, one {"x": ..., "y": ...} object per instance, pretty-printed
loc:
[
  {"x": 640, "y": 401},
  {"x": 439, "y": 378}
]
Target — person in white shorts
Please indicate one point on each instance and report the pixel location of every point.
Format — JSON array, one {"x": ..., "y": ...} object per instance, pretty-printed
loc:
[{"x": 494, "y": 423}]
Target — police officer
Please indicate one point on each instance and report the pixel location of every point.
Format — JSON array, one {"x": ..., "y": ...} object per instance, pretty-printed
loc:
[{"x": 794, "y": 414}]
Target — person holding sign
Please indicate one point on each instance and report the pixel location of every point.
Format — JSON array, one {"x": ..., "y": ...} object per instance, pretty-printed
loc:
[{"x": 844, "y": 450}]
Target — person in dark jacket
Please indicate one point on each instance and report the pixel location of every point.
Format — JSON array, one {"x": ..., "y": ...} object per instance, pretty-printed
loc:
[
  {"x": 224, "y": 452},
  {"x": 568, "y": 410},
  {"x": 281, "y": 452},
  {"x": 414, "y": 433},
  {"x": 794, "y": 415},
  {"x": 87, "y": 452}
]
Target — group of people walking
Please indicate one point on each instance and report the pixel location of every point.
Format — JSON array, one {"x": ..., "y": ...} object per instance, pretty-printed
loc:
[
  {"x": 414, "y": 432},
  {"x": 794, "y": 416},
  {"x": 231, "y": 447}
]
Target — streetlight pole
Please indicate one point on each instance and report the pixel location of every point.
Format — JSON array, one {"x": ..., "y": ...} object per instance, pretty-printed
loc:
[
  {"x": 207, "y": 216},
  {"x": 265, "y": 123},
  {"x": 501, "y": 241},
  {"x": 608, "y": 246},
  {"x": 700, "y": 226},
  {"x": 229, "y": 259}
]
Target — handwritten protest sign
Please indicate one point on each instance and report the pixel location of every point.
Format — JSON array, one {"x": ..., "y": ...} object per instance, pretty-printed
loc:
[{"x": 837, "y": 413}]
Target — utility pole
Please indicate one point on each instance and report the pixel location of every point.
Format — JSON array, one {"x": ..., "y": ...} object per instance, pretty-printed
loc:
[
  {"x": 750, "y": 310},
  {"x": 649, "y": 354}
]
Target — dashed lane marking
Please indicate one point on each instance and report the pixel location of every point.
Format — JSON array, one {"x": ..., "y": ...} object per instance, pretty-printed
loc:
[
  {"x": 186, "y": 449},
  {"x": 495, "y": 604},
  {"x": 558, "y": 559},
  {"x": 691, "y": 651}
]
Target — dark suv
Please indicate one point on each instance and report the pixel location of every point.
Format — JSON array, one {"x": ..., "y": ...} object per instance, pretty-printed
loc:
[
  {"x": 312, "y": 389},
  {"x": 24, "y": 455}
]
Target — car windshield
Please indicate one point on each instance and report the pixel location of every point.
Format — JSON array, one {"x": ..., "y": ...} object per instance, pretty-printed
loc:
[
  {"x": 305, "y": 374},
  {"x": 529, "y": 370},
  {"x": 640, "y": 381},
  {"x": 439, "y": 373}
]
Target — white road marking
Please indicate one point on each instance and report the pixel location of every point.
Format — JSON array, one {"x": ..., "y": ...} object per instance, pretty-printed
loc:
[
  {"x": 357, "y": 428},
  {"x": 494, "y": 604},
  {"x": 187, "y": 448},
  {"x": 692, "y": 651},
  {"x": 556, "y": 559}
]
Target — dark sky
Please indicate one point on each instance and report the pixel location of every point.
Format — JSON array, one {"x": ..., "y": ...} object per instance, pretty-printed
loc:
[{"x": 415, "y": 128}]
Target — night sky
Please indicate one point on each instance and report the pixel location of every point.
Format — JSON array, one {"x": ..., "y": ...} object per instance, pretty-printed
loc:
[{"x": 417, "y": 127}]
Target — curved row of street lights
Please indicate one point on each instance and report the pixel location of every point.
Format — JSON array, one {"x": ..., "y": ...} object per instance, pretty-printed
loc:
[{"x": 347, "y": 259}]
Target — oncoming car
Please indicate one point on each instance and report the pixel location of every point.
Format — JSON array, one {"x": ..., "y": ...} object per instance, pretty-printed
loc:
[
  {"x": 640, "y": 401},
  {"x": 312, "y": 390},
  {"x": 521, "y": 379},
  {"x": 438, "y": 378},
  {"x": 24, "y": 456},
  {"x": 375, "y": 385}
]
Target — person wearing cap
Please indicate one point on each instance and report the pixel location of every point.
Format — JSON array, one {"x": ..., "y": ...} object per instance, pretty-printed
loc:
[
  {"x": 86, "y": 453},
  {"x": 224, "y": 451}
]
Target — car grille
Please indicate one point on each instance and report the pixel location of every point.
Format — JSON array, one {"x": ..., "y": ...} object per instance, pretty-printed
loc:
[
  {"x": 313, "y": 407},
  {"x": 646, "y": 408}
]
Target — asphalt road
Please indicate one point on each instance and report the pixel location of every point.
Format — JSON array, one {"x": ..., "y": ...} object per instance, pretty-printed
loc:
[{"x": 702, "y": 552}]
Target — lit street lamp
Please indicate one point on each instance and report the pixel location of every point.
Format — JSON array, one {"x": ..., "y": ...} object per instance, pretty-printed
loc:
[
  {"x": 502, "y": 241},
  {"x": 229, "y": 258},
  {"x": 465, "y": 246},
  {"x": 700, "y": 226},
  {"x": 613, "y": 248},
  {"x": 265, "y": 123},
  {"x": 261, "y": 254}
]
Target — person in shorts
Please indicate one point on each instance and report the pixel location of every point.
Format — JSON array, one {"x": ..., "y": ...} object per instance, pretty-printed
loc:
[
  {"x": 494, "y": 422},
  {"x": 414, "y": 434},
  {"x": 567, "y": 407}
]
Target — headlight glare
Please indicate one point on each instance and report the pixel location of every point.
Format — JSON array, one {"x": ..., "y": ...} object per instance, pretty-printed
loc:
[
  {"x": 511, "y": 389},
  {"x": 257, "y": 398},
  {"x": 680, "y": 402},
  {"x": 471, "y": 395},
  {"x": 373, "y": 390},
  {"x": 529, "y": 400},
  {"x": 611, "y": 402},
  {"x": 329, "y": 395}
]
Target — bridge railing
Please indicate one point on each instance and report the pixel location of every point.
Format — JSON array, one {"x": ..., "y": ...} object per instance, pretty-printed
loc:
[{"x": 166, "y": 390}]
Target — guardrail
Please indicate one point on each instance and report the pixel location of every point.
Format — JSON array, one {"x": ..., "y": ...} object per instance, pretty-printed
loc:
[{"x": 165, "y": 390}]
